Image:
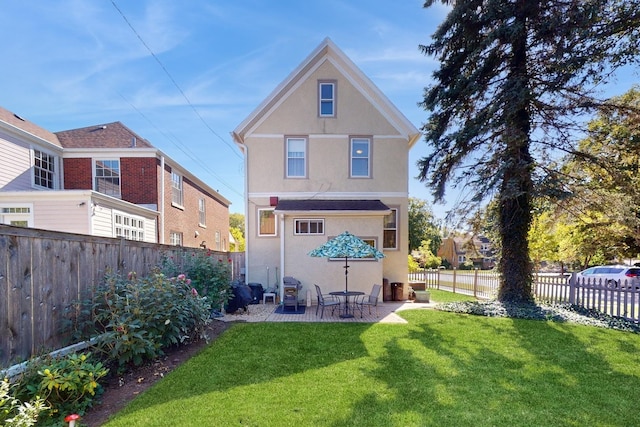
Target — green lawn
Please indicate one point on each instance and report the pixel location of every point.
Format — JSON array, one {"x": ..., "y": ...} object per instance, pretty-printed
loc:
[{"x": 440, "y": 369}]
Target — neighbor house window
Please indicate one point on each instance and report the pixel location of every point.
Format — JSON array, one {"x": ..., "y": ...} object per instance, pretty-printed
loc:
[
  {"x": 360, "y": 157},
  {"x": 176, "y": 189},
  {"x": 175, "y": 238},
  {"x": 461, "y": 259},
  {"x": 309, "y": 226},
  {"x": 202, "y": 212},
  {"x": 266, "y": 222},
  {"x": 16, "y": 216},
  {"x": 107, "y": 177},
  {"x": 217, "y": 237},
  {"x": 327, "y": 99},
  {"x": 296, "y": 157},
  {"x": 391, "y": 230},
  {"x": 127, "y": 226},
  {"x": 44, "y": 169}
]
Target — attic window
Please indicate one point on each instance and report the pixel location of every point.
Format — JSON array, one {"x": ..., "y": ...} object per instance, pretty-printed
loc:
[{"x": 327, "y": 99}]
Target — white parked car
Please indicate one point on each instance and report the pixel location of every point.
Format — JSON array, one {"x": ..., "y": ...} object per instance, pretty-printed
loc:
[{"x": 611, "y": 275}]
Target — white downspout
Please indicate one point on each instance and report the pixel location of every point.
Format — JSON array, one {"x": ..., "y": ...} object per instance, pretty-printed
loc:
[
  {"x": 161, "y": 207},
  {"x": 245, "y": 150},
  {"x": 281, "y": 284}
]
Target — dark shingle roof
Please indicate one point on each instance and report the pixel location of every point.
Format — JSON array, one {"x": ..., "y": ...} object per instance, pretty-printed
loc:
[
  {"x": 109, "y": 135},
  {"x": 15, "y": 120},
  {"x": 331, "y": 205}
]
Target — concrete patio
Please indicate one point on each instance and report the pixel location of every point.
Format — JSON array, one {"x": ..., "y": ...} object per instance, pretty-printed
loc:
[{"x": 387, "y": 313}]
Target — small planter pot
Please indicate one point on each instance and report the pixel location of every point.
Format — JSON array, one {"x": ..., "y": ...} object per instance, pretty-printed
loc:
[{"x": 423, "y": 296}]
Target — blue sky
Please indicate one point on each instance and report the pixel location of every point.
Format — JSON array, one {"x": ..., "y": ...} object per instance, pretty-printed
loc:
[{"x": 184, "y": 74}]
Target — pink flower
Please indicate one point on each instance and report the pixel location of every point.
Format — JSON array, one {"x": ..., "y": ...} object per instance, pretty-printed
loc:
[
  {"x": 194, "y": 292},
  {"x": 181, "y": 277},
  {"x": 188, "y": 281}
]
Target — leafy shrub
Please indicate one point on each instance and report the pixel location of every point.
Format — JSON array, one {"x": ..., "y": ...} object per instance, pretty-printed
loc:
[
  {"x": 133, "y": 319},
  {"x": 210, "y": 275},
  {"x": 14, "y": 412},
  {"x": 67, "y": 384}
]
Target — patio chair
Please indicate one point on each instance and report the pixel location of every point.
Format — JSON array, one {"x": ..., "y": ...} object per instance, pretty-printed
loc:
[
  {"x": 328, "y": 301},
  {"x": 370, "y": 300}
]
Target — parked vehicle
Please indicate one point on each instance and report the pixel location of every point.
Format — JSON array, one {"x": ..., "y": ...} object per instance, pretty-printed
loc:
[{"x": 613, "y": 276}]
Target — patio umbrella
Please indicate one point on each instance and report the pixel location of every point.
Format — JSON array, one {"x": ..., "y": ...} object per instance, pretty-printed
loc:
[{"x": 346, "y": 246}]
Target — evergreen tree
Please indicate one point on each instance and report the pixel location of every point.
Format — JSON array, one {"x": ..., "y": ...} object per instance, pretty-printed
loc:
[{"x": 514, "y": 77}]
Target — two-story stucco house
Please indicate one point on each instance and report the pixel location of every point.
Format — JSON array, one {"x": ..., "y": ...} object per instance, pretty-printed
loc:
[
  {"x": 104, "y": 180},
  {"x": 326, "y": 152}
]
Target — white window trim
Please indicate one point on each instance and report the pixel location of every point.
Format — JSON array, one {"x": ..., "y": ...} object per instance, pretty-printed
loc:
[
  {"x": 54, "y": 173},
  {"x": 24, "y": 213},
  {"x": 296, "y": 221},
  {"x": 174, "y": 236},
  {"x": 129, "y": 226},
  {"x": 305, "y": 158},
  {"x": 95, "y": 175},
  {"x": 351, "y": 158},
  {"x": 202, "y": 212},
  {"x": 180, "y": 188},
  {"x": 275, "y": 223}
]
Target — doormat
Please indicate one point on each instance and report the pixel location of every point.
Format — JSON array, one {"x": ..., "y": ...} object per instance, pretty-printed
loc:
[{"x": 290, "y": 309}]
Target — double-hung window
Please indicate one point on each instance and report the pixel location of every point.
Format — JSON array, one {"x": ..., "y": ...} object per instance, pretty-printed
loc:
[
  {"x": 391, "y": 230},
  {"x": 296, "y": 157},
  {"x": 175, "y": 238},
  {"x": 360, "y": 158},
  {"x": 107, "y": 177},
  {"x": 44, "y": 169},
  {"x": 202, "y": 212},
  {"x": 327, "y": 99},
  {"x": 176, "y": 189}
]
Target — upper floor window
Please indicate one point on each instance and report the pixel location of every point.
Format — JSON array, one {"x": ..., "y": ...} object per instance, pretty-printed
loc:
[
  {"x": 176, "y": 189},
  {"x": 107, "y": 176},
  {"x": 309, "y": 226},
  {"x": 266, "y": 222},
  {"x": 391, "y": 230},
  {"x": 296, "y": 157},
  {"x": 202, "y": 212},
  {"x": 44, "y": 169},
  {"x": 360, "y": 158},
  {"x": 327, "y": 99}
]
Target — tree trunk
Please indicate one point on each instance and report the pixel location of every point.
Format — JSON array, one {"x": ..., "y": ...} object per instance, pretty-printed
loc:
[{"x": 516, "y": 188}]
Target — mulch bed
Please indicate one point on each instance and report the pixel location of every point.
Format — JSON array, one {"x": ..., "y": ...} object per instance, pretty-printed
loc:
[{"x": 121, "y": 389}]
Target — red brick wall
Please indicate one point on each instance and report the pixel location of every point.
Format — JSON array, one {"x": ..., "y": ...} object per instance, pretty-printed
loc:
[
  {"x": 77, "y": 174},
  {"x": 138, "y": 180},
  {"x": 185, "y": 219}
]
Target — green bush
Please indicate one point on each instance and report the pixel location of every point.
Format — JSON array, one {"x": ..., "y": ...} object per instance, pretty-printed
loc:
[
  {"x": 210, "y": 275},
  {"x": 133, "y": 319},
  {"x": 16, "y": 413},
  {"x": 66, "y": 384}
]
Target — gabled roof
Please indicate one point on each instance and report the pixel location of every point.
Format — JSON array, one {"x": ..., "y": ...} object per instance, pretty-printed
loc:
[
  {"x": 13, "y": 120},
  {"x": 328, "y": 51},
  {"x": 331, "y": 205},
  {"x": 109, "y": 135}
]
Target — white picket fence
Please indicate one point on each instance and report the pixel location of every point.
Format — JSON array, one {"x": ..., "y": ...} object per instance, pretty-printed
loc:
[{"x": 622, "y": 301}]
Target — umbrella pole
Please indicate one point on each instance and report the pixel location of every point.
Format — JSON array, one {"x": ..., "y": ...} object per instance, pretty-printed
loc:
[{"x": 346, "y": 275}]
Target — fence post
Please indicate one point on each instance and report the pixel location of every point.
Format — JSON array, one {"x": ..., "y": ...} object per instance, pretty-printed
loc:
[
  {"x": 475, "y": 283},
  {"x": 454, "y": 280},
  {"x": 572, "y": 288}
]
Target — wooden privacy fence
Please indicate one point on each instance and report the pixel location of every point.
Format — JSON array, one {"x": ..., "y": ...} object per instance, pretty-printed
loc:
[
  {"x": 43, "y": 272},
  {"x": 620, "y": 301}
]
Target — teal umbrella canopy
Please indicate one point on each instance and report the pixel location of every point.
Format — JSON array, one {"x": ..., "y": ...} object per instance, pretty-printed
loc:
[{"x": 346, "y": 246}]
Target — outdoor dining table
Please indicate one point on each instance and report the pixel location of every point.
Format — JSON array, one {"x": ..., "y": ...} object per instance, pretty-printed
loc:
[{"x": 346, "y": 295}]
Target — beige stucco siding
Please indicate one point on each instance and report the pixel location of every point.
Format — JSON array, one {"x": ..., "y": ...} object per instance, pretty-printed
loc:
[
  {"x": 328, "y": 163},
  {"x": 298, "y": 111}
]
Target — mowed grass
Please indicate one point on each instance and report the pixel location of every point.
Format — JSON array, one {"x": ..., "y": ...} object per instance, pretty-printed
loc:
[{"x": 440, "y": 369}]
